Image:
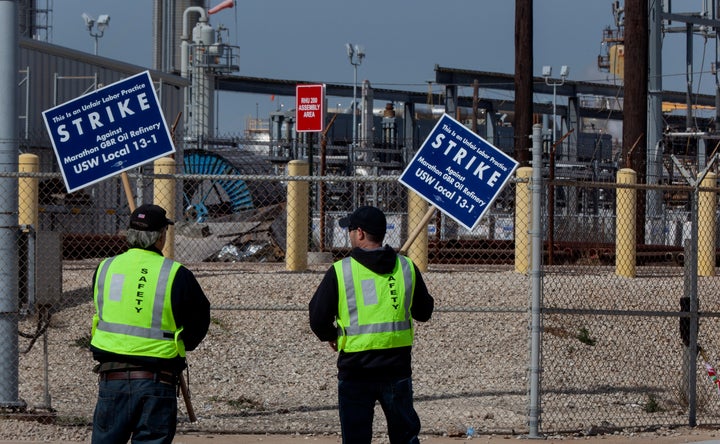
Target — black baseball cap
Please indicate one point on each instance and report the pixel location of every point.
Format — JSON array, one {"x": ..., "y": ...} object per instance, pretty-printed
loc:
[
  {"x": 149, "y": 217},
  {"x": 370, "y": 219}
]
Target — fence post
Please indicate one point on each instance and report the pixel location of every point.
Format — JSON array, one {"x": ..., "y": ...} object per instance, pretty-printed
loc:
[
  {"x": 707, "y": 207},
  {"x": 625, "y": 225},
  {"x": 690, "y": 285},
  {"x": 418, "y": 249},
  {"x": 164, "y": 196},
  {"x": 536, "y": 284},
  {"x": 297, "y": 217},
  {"x": 523, "y": 215}
]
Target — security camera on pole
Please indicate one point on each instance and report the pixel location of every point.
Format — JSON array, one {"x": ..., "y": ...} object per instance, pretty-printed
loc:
[
  {"x": 356, "y": 54},
  {"x": 102, "y": 22}
]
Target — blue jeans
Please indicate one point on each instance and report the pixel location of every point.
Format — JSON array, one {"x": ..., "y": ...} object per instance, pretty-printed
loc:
[
  {"x": 357, "y": 408},
  {"x": 143, "y": 409}
]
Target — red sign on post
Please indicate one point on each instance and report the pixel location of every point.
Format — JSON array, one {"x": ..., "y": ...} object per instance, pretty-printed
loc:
[{"x": 309, "y": 108}]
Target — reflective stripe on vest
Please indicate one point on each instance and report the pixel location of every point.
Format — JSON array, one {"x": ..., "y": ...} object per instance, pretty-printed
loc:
[
  {"x": 368, "y": 288},
  {"x": 155, "y": 331},
  {"x": 362, "y": 327}
]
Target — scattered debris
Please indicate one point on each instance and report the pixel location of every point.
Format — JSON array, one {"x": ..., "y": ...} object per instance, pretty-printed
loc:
[{"x": 258, "y": 237}]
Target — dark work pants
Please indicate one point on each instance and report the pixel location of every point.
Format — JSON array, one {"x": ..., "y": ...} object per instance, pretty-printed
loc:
[
  {"x": 143, "y": 410},
  {"x": 357, "y": 408}
]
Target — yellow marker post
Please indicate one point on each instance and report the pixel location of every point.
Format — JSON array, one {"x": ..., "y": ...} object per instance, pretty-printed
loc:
[
  {"x": 625, "y": 225},
  {"x": 707, "y": 208},
  {"x": 164, "y": 196},
  {"x": 297, "y": 217},
  {"x": 523, "y": 219},
  {"x": 417, "y": 251},
  {"x": 28, "y": 190}
]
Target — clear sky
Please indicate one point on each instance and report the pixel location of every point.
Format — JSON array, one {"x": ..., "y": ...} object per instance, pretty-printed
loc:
[{"x": 403, "y": 41}]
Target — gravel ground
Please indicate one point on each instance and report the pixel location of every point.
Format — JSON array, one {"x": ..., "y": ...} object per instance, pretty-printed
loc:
[{"x": 262, "y": 371}]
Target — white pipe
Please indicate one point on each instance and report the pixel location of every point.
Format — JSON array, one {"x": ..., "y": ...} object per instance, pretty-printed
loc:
[
  {"x": 687, "y": 134},
  {"x": 203, "y": 19},
  {"x": 185, "y": 37}
]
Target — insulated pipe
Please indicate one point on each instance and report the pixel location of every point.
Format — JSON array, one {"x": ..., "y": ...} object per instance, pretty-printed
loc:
[
  {"x": 296, "y": 248},
  {"x": 523, "y": 217},
  {"x": 203, "y": 19},
  {"x": 625, "y": 225},
  {"x": 184, "y": 64},
  {"x": 164, "y": 196},
  {"x": 9, "y": 358},
  {"x": 707, "y": 207},
  {"x": 418, "y": 250}
]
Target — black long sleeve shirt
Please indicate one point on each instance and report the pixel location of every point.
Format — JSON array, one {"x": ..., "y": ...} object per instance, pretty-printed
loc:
[
  {"x": 191, "y": 310},
  {"x": 372, "y": 365}
]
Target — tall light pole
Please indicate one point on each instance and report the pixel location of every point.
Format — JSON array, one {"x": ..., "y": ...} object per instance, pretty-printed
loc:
[
  {"x": 547, "y": 72},
  {"x": 102, "y": 22},
  {"x": 356, "y": 54}
]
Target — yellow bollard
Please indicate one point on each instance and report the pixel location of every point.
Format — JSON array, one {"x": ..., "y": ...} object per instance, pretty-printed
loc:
[
  {"x": 28, "y": 190},
  {"x": 707, "y": 207},
  {"x": 164, "y": 196},
  {"x": 296, "y": 248},
  {"x": 418, "y": 250},
  {"x": 523, "y": 219},
  {"x": 625, "y": 225}
]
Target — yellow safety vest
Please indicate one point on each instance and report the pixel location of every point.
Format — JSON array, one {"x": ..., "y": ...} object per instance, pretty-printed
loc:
[
  {"x": 373, "y": 309},
  {"x": 133, "y": 311}
]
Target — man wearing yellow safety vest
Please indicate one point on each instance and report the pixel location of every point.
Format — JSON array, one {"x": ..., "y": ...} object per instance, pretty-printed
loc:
[
  {"x": 149, "y": 310},
  {"x": 365, "y": 307}
]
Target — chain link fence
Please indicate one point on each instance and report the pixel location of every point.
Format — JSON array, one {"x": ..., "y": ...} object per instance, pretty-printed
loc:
[
  {"x": 616, "y": 347},
  {"x": 613, "y": 353}
]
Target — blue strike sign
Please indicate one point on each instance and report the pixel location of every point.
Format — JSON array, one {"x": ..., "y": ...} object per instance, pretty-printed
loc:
[
  {"x": 108, "y": 131},
  {"x": 458, "y": 171}
]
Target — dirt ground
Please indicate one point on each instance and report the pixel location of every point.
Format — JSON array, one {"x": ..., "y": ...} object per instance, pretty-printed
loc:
[
  {"x": 701, "y": 437},
  {"x": 705, "y": 438},
  {"x": 672, "y": 437}
]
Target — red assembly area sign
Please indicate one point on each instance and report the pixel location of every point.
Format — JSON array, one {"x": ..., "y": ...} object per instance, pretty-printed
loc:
[{"x": 309, "y": 108}]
